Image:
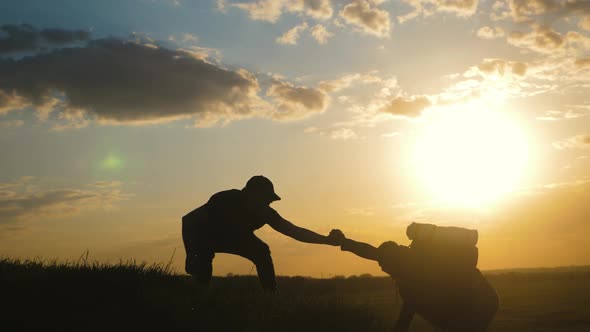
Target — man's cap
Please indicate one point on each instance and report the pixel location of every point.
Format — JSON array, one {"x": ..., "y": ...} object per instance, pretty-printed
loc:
[{"x": 262, "y": 186}]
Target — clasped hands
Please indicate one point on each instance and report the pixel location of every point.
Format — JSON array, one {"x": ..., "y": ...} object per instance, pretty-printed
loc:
[{"x": 336, "y": 237}]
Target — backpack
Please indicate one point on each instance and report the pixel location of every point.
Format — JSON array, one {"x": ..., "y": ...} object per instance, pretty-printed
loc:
[{"x": 447, "y": 249}]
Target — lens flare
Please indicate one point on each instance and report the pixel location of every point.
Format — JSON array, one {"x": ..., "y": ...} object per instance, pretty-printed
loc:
[{"x": 112, "y": 163}]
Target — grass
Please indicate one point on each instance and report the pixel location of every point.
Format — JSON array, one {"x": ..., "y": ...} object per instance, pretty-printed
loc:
[{"x": 90, "y": 296}]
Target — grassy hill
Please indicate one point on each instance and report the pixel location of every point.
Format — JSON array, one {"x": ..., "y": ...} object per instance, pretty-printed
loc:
[{"x": 129, "y": 296}]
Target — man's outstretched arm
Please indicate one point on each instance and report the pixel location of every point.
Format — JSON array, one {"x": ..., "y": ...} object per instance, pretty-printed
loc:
[{"x": 284, "y": 226}]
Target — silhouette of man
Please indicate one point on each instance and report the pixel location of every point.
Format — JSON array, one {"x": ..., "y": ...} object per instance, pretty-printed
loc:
[
  {"x": 226, "y": 224},
  {"x": 452, "y": 298}
]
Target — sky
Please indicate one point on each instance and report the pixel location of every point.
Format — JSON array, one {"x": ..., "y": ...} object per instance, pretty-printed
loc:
[{"x": 119, "y": 117}]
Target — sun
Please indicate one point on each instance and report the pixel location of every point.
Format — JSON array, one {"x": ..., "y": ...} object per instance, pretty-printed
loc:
[{"x": 470, "y": 158}]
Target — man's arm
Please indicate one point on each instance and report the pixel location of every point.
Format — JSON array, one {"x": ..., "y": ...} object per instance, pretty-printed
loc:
[{"x": 284, "y": 226}]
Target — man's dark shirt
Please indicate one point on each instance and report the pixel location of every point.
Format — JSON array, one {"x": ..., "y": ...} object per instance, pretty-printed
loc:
[{"x": 230, "y": 213}]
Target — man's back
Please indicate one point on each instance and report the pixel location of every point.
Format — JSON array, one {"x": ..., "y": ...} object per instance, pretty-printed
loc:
[{"x": 229, "y": 211}]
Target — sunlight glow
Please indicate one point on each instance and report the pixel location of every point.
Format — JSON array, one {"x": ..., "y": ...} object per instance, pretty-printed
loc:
[{"x": 470, "y": 157}]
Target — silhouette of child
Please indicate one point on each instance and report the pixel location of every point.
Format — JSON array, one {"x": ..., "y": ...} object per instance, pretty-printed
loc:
[{"x": 452, "y": 298}]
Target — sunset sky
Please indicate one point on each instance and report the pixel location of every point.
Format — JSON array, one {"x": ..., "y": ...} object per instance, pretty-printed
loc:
[{"x": 119, "y": 117}]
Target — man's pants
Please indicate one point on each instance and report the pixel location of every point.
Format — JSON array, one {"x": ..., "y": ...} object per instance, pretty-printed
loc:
[{"x": 201, "y": 247}]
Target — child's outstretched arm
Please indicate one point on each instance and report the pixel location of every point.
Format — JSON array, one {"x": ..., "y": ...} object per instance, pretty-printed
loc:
[{"x": 361, "y": 249}]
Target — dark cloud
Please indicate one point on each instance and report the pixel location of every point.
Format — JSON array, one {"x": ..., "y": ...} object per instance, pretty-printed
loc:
[
  {"x": 24, "y": 37},
  {"x": 296, "y": 102},
  {"x": 17, "y": 201},
  {"x": 129, "y": 82},
  {"x": 411, "y": 108},
  {"x": 114, "y": 81}
]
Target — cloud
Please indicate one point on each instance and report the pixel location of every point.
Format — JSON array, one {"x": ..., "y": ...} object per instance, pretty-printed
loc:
[
  {"x": 430, "y": 7},
  {"x": 206, "y": 54},
  {"x": 346, "y": 81},
  {"x": 562, "y": 115},
  {"x": 343, "y": 134},
  {"x": 459, "y": 7},
  {"x": 319, "y": 9},
  {"x": 296, "y": 102},
  {"x": 500, "y": 10},
  {"x": 521, "y": 10},
  {"x": 582, "y": 63},
  {"x": 311, "y": 130},
  {"x": 502, "y": 67},
  {"x": 365, "y": 16},
  {"x": 220, "y": 5},
  {"x": 579, "y": 9},
  {"x": 411, "y": 107},
  {"x": 391, "y": 134},
  {"x": 24, "y": 37},
  {"x": 292, "y": 35},
  {"x": 271, "y": 10},
  {"x": 125, "y": 82},
  {"x": 106, "y": 184},
  {"x": 490, "y": 33},
  {"x": 360, "y": 211},
  {"x": 11, "y": 123},
  {"x": 544, "y": 39},
  {"x": 367, "y": 110},
  {"x": 575, "y": 142},
  {"x": 498, "y": 79},
  {"x": 184, "y": 38},
  {"x": 548, "y": 10},
  {"x": 338, "y": 134},
  {"x": 320, "y": 34},
  {"x": 20, "y": 200},
  {"x": 11, "y": 101},
  {"x": 266, "y": 10},
  {"x": 577, "y": 43},
  {"x": 541, "y": 39}
]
